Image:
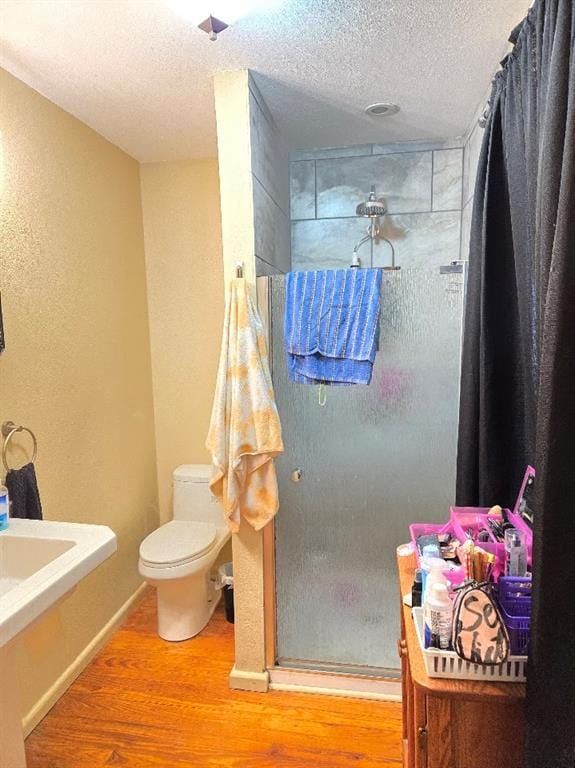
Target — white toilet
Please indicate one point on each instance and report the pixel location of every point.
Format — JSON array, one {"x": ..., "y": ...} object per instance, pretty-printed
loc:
[{"x": 178, "y": 557}]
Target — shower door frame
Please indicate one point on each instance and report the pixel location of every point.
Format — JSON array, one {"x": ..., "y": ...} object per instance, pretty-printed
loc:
[{"x": 333, "y": 682}]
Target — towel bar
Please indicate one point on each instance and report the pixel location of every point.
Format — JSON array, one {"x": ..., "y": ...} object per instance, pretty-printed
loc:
[{"x": 9, "y": 429}]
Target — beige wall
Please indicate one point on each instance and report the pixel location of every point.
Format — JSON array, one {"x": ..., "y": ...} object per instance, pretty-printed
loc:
[
  {"x": 185, "y": 286},
  {"x": 77, "y": 364}
]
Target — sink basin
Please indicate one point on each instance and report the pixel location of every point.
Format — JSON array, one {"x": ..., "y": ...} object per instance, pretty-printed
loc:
[
  {"x": 40, "y": 563},
  {"x": 22, "y": 556}
]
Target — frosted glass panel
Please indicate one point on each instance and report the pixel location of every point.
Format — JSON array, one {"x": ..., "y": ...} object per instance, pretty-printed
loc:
[{"x": 373, "y": 459}]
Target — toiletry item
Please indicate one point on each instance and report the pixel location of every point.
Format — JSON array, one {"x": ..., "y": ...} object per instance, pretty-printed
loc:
[
  {"x": 489, "y": 566},
  {"x": 4, "y": 508},
  {"x": 438, "y": 615},
  {"x": 515, "y": 552},
  {"x": 416, "y": 589},
  {"x": 435, "y": 575},
  {"x": 428, "y": 544},
  {"x": 425, "y": 564},
  {"x": 426, "y": 552}
]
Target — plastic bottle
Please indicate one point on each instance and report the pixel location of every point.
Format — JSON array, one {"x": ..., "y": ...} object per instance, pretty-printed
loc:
[
  {"x": 4, "y": 508},
  {"x": 429, "y": 551},
  {"x": 438, "y": 615},
  {"x": 417, "y": 588},
  {"x": 515, "y": 553},
  {"x": 433, "y": 568}
]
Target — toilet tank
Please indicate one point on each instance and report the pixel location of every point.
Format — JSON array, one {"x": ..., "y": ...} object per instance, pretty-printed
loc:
[{"x": 192, "y": 497}]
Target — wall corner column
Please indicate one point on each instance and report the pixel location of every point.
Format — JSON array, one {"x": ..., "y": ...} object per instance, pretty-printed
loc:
[{"x": 232, "y": 102}]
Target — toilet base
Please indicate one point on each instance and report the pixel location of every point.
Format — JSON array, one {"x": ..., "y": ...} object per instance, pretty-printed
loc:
[{"x": 185, "y": 606}]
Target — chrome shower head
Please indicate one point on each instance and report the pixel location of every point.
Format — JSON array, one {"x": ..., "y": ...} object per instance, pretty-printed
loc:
[{"x": 372, "y": 208}]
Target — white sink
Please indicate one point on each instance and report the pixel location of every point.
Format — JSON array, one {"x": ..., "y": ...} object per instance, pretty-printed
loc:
[{"x": 40, "y": 562}]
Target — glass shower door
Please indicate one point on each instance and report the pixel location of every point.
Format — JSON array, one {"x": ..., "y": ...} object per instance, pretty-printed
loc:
[{"x": 372, "y": 460}]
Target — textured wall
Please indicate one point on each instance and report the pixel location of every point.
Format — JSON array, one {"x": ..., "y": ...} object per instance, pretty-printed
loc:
[
  {"x": 77, "y": 364},
  {"x": 182, "y": 231},
  {"x": 421, "y": 183}
]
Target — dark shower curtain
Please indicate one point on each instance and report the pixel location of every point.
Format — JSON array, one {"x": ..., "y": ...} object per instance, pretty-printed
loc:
[{"x": 518, "y": 369}]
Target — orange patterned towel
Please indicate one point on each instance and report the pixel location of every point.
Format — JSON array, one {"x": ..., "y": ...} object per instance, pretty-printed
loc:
[{"x": 245, "y": 430}]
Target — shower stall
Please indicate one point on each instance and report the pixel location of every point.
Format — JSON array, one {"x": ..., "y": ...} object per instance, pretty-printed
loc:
[{"x": 360, "y": 464}]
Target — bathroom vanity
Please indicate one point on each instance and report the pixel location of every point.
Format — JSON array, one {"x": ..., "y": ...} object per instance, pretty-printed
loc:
[
  {"x": 453, "y": 723},
  {"x": 41, "y": 562}
]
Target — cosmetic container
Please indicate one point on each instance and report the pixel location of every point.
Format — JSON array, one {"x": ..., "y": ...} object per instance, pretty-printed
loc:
[
  {"x": 515, "y": 552},
  {"x": 4, "y": 508},
  {"x": 438, "y": 617},
  {"x": 416, "y": 589}
]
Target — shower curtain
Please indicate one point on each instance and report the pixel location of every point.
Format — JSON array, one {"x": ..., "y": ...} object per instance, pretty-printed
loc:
[{"x": 518, "y": 370}]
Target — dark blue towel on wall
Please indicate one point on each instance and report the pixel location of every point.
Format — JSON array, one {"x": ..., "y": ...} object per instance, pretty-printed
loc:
[
  {"x": 332, "y": 325},
  {"x": 23, "y": 492}
]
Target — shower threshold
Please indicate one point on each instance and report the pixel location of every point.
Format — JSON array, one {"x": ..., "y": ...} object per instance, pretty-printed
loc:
[
  {"x": 336, "y": 679},
  {"x": 356, "y": 670}
]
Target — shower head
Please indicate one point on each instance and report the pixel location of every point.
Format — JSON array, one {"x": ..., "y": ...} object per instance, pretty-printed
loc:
[{"x": 372, "y": 208}]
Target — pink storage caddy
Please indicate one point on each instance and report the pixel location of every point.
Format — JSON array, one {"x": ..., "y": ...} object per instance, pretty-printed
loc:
[
  {"x": 452, "y": 573},
  {"x": 461, "y": 519}
]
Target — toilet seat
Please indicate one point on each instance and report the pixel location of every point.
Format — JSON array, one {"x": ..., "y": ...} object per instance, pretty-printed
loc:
[{"x": 177, "y": 543}]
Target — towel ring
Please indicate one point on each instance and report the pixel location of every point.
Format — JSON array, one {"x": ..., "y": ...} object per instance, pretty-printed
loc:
[{"x": 9, "y": 429}]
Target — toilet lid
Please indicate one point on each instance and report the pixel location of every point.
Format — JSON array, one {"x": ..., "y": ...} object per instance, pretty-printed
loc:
[{"x": 177, "y": 541}]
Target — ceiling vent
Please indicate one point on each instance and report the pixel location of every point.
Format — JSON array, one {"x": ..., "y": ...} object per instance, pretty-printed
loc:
[{"x": 382, "y": 109}]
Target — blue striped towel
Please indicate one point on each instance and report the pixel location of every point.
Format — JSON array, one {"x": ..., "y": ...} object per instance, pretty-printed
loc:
[{"x": 332, "y": 325}]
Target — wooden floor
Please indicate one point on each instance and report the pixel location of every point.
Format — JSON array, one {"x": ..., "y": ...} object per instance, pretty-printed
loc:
[{"x": 145, "y": 703}]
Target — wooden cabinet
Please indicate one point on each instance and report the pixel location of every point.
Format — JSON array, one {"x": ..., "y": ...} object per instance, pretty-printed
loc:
[{"x": 454, "y": 723}]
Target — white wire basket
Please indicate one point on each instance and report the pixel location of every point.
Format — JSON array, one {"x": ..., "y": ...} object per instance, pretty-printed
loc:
[{"x": 448, "y": 664}]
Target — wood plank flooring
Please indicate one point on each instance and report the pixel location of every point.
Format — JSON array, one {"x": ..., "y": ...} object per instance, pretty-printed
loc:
[{"x": 145, "y": 703}]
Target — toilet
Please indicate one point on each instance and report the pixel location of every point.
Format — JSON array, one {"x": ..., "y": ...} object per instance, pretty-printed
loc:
[{"x": 178, "y": 557}]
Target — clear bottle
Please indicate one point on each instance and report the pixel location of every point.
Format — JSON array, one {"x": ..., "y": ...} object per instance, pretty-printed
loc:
[
  {"x": 4, "y": 508},
  {"x": 433, "y": 568},
  {"x": 438, "y": 615},
  {"x": 515, "y": 552}
]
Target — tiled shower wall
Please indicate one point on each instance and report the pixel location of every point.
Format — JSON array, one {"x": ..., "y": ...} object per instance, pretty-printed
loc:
[
  {"x": 269, "y": 161},
  {"x": 421, "y": 183},
  {"x": 471, "y": 152},
  {"x": 269, "y": 158}
]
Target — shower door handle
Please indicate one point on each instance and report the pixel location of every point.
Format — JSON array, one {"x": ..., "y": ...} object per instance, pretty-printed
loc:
[{"x": 296, "y": 475}]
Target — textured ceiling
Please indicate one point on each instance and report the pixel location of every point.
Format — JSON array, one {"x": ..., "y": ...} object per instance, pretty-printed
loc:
[{"x": 141, "y": 76}]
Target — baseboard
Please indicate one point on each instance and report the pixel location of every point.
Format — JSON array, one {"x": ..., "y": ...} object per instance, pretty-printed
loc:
[
  {"x": 249, "y": 681},
  {"x": 45, "y": 704}
]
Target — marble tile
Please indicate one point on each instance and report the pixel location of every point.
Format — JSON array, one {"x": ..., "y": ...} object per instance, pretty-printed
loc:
[
  {"x": 269, "y": 154},
  {"x": 447, "y": 179},
  {"x": 265, "y": 269},
  {"x": 470, "y": 160},
  {"x": 357, "y": 150},
  {"x": 466, "y": 229},
  {"x": 420, "y": 239},
  {"x": 402, "y": 180},
  {"x": 417, "y": 146},
  {"x": 327, "y": 243},
  {"x": 272, "y": 234},
  {"x": 302, "y": 190}
]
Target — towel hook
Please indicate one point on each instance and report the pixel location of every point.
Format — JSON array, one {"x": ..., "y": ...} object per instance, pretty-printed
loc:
[{"x": 9, "y": 429}]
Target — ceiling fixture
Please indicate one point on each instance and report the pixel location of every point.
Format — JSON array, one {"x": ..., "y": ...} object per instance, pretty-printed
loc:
[
  {"x": 213, "y": 16},
  {"x": 382, "y": 109},
  {"x": 213, "y": 27}
]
